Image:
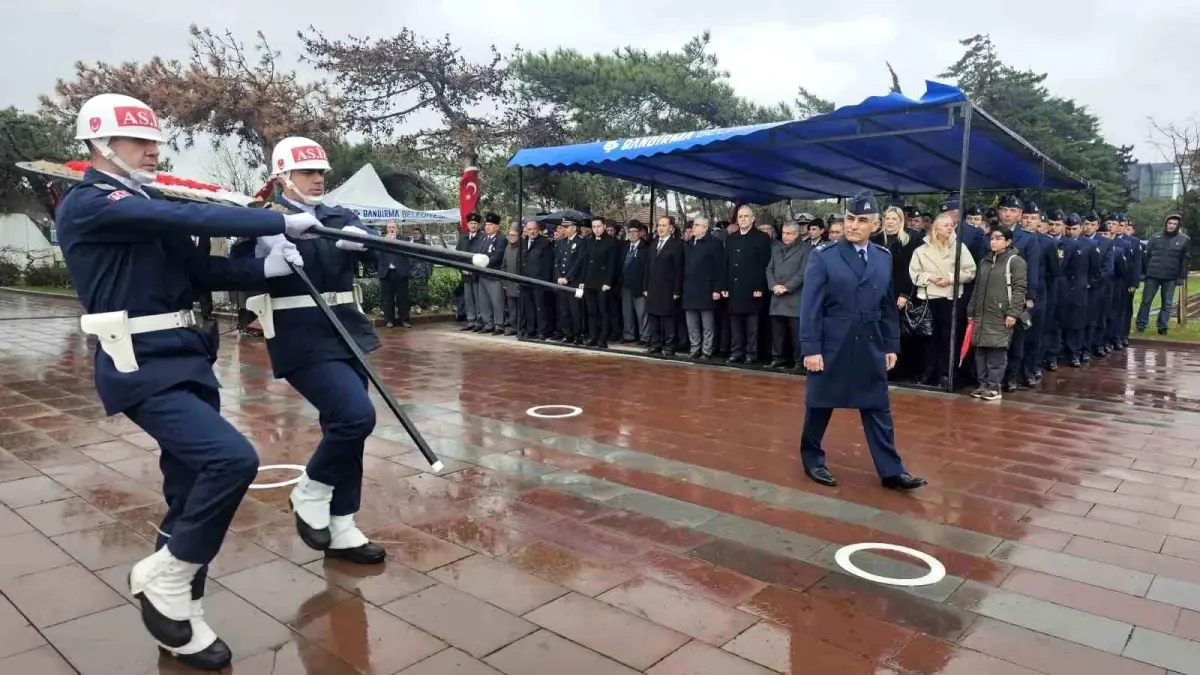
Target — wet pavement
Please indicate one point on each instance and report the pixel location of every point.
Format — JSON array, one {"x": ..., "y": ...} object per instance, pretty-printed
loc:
[{"x": 666, "y": 529}]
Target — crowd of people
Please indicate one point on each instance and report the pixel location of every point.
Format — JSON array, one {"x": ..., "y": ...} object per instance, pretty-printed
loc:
[{"x": 1034, "y": 289}]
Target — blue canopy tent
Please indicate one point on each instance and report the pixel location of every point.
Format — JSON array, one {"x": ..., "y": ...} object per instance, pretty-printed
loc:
[
  {"x": 941, "y": 143},
  {"x": 891, "y": 144}
]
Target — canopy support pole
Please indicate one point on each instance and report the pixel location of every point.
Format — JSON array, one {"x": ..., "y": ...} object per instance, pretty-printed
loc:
[
  {"x": 960, "y": 230},
  {"x": 521, "y": 250}
]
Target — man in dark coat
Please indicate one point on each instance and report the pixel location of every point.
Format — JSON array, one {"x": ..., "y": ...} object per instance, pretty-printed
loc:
[
  {"x": 633, "y": 282},
  {"x": 537, "y": 261},
  {"x": 664, "y": 286},
  {"x": 1134, "y": 247},
  {"x": 785, "y": 277},
  {"x": 747, "y": 253},
  {"x": 394, "y": 272},
  {"x": 850, "y": 338},
  {"x": 703, "y": 281},
  {"x": 489, "y": 298},
  {"x": 1166, "y": 265},
  {"x": 568, "y": 270},
  {"x": 471, "y": 288},
  {"x": 599, "y": 281},
  {"x": 1081, "y": 270}
]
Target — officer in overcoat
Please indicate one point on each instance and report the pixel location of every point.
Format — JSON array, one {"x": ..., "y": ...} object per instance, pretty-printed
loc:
[
  {"x": 1136, "y": 254},
  {"x": 131, "y": 256},
  {"x": 1122, "y": 280},
  {"x": 850, "y": 338},
  {"x": 1056, "y": 257},
  {"x": 569, "y": 257},
  {"x": 308, "y": 352},
  {"x": 469, "y": 243}
]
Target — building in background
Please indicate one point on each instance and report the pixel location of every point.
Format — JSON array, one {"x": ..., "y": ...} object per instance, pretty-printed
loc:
[{"x": 1154, "y": 180}]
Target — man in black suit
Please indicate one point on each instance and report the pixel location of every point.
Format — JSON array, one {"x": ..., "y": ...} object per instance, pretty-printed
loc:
[
  {"x": 664, "y": 286},
  {"x": 747, "y": 254},
  {"x": 633, "y": 281},
  {"x": 394, "y": 272},
  {"x": 568, "y": 270},
  {"x": 537, "y": 261},
  {"x": 599, "y": 281}
]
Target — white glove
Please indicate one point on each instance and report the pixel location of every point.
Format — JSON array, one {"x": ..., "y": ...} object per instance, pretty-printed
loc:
[
  {"x": 298, "y": 224},
  {"x": 282, "y": 253},
  {"x": 351, "y": 245},
  {"x": 264, "y": 245}
]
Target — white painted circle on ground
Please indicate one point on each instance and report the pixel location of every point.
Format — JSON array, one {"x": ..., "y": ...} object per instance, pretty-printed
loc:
[
  {"x": 571, "y": 411},
  {"x": 271, "y": 467},
  {"x": 937, "y": 571}
]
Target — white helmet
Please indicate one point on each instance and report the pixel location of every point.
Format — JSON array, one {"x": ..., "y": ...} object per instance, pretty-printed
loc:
[
  {"x": 296, "y": 153},
  {"x": 108, "y": 116}
]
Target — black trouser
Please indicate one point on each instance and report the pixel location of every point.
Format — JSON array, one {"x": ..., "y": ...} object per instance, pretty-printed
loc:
[
  {"x": 510, "y": 310},
  {"x": 206, "y": 305},
  {"x": 535, "y": 316},
  {"x": 613, "y": 299},
  {"x": 597, "y": 310},
  {"x": 743, "y": 340},
  {"x": 662, "y": 330},
  {"x": 937, "y": 346},
  {"x": 570, "y": 316},
  {"x": 783, "y": 337},
  {"x": 394, "y": 292}
]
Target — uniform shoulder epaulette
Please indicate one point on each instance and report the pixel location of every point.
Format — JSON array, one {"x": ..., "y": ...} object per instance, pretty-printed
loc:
[
  {"x": 882, "y": 248},
  {"x": 104, "y": 186},
  {"x": 825, "y": 246}
]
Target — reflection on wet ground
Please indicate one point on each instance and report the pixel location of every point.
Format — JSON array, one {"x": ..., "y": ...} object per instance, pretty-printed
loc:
[{"x": 666, "y": 530}]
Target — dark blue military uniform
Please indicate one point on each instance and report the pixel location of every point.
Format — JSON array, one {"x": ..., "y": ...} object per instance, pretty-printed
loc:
[
  {"x": 1028, "y": 245},
  {"x": 1136, "y": 255},
  {"x": 125, "y": 251},
  {"x": 1099, "y": 295},
  {"x": 309, "y": 353},
  {"x": 1081, "y": 259},
  {"x": 848, "y": 316},
  {"x": 568, "y": 264},
  {"x": 1121, "y": 282},
  {"x": 1057, "y": 254}
]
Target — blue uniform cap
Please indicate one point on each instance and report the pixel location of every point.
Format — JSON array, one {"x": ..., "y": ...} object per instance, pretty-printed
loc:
[
  {"x": 1011, "y": 202},
  {"x": 975, "y": 211},
  {"x": 1092, "y": 216},
  {"x": 863, "y": 204},
  {"x": 950, "y": 204},
  {"x": 1031, "y": 207},
  {"x": 1074, "y": 219},
  {"x": 1057, "y": 215}
]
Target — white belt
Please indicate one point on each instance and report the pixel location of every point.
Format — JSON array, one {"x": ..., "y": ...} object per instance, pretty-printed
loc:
[
  {"x": 116, "y": 330},
  {"x": 264, "y": 306}
]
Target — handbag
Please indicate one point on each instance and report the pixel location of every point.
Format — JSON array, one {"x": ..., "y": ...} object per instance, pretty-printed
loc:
[{"x": 916, "y": 319}]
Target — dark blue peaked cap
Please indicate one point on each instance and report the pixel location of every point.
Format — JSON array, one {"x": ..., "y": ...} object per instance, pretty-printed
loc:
[{"x": 863, "y": 204}]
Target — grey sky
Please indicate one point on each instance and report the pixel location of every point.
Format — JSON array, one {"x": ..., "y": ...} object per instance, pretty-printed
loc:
[{"x": 1123, "y": 59}]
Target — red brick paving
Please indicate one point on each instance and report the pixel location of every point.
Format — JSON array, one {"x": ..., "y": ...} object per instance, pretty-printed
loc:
[{"x": 543, "y": 549}]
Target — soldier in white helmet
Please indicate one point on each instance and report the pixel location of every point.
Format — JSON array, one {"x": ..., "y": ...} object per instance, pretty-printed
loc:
[
  {"x": 307, "y": 351},
  {"x": 133, "y": 260}
]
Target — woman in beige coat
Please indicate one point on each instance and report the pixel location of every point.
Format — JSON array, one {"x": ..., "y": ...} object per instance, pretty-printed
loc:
[{"x": 932, "y": 273}]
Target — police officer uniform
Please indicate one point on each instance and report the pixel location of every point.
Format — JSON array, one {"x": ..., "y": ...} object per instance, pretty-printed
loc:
[
  {"x": 469, "y": 243},
  {"x": 1028, "y": 246},
  {"x": 308, "y": 352},
  {"x": 848, "y": 317},
  {"x": 1136, "y": 255},
  {"x": 132, "y": 257},
  {"x": 1100, "y": 292},
  {"x": 1058, "y": 255},
  {"x": 568, "y": 270},
  {"x": 1121, "y": 282}
]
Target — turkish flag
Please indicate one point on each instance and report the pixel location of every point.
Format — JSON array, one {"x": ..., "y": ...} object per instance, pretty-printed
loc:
[{"x": 468, "y": 195}]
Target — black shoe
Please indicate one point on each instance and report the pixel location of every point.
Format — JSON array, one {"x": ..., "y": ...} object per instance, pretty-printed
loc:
[
  {"x": 1053, "y": 366},
  {"x": 593, "y": 343},
  {"x": 669, "y": 351},
  {"x": 1009, "y": 386},
  {"x": 735, "y": 359},
  {"x": 821, "y": 476},
  {"x": 1162, "y": 331},
  {"x": 212, "y": 658},
  {"x": 603, "y": 344},
  {"x": 654, "y": 350},
  {"x": 777, "y": 363},
  {"x": 903, "y": 482},
  {"x": 318, "y": 540},
  {"x": 369, "y": 553},
  {"x": 1075, "y": 363},
  {"x": 695, "y": 356},
  {"x": 467, "y": 328}
]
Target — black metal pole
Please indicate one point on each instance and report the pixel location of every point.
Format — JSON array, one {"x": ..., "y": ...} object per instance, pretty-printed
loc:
[
  {"x": 395, "y": 245},
  {"x": 964, "y": 160},
  {"x": 373, "y": 376},
  {"x": 520, "y": 249}
]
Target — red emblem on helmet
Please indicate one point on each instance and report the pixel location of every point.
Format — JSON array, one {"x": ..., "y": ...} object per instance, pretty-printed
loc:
[
  {"x": 279, "y": 163},
  {"x": 94, "y": 123},
  {"x": 135, "y": 116}
]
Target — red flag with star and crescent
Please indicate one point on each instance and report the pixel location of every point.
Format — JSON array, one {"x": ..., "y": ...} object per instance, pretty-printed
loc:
[{"x": 468, "y": 195}]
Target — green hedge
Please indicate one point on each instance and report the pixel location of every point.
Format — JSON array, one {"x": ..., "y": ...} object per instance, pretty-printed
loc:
[
  {"x": 54, "y": 276},
  {"x": 440, "y": 292}
]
